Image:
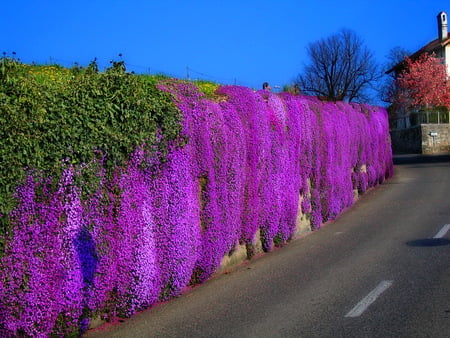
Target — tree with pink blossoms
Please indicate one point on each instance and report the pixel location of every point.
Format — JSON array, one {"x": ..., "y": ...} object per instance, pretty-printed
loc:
[{"x": 423, "y": 83}]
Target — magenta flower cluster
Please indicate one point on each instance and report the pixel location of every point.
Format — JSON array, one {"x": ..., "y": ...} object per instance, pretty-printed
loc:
[{"x": 252, "y": 161}]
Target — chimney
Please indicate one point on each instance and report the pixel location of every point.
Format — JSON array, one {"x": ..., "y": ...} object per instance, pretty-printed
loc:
[{"x": 442, "y": 26}]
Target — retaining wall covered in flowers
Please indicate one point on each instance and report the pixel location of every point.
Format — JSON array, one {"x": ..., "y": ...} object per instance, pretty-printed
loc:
[{"x": 252, "y": 161}]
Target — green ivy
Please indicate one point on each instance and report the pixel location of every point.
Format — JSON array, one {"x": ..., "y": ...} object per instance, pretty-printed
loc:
[{"x": 50, "y": 114}]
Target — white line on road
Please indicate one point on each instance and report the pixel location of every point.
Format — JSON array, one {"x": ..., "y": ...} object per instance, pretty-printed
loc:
[
  {"x": 369, "y": 299},
  {"x": 443, "y": 231}
]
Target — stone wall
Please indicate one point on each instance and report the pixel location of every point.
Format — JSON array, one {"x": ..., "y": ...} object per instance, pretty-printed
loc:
[
  {"x": 423, "y": 139},
  {"x": 435, "y": 138},
  {"x": 407, "y": 141}
]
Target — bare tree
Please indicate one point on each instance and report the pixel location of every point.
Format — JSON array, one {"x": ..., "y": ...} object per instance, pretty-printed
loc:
[
  {"x": 388, "y": 88},
  {"x": 340, "y": 68},
  {"x": 395, "y": 56}
]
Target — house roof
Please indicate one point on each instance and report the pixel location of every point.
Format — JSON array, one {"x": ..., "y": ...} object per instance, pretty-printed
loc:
[{"x": 428, "y": 48}]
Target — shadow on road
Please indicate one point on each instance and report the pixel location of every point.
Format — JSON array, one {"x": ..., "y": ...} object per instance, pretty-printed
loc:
[
  {"x": 427, "y": 242},
  {"x": 419, "y": 159}
]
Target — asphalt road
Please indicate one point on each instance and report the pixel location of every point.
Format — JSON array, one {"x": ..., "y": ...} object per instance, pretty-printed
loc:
[{"x": 377, "y": 271}]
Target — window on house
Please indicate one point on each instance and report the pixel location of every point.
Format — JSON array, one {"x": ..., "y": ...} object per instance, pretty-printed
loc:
[
  {"x": 433, "y": 117},
  {"x": 436, "y": 116},
  {"x": 444, "y": 118}
]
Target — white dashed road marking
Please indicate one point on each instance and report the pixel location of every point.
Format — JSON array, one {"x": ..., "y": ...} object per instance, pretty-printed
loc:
[
  {"x": 443, "y": 231},
  {"x": 369, "y": 299}
]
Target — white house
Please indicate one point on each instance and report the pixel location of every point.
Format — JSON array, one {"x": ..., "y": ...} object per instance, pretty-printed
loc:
[
  {"x": 439, "y": 46},
  {"x": 425, "y": 132}
]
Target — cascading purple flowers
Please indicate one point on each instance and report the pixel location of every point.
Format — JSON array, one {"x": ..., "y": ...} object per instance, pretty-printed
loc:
[
  {"x": 177, "y": 222},
  {"x": 251, "y": 163},
  {"x": 41, "y": 272}
]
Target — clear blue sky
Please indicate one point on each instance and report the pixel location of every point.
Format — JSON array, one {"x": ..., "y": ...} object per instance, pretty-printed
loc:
[{"x": 226, "y": 41}]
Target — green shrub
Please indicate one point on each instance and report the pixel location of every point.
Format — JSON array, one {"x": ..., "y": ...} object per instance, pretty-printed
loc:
[{"x": 49, "y": 114}]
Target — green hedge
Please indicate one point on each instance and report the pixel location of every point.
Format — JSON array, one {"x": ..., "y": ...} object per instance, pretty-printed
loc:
[{"x": 49, "y": 114}]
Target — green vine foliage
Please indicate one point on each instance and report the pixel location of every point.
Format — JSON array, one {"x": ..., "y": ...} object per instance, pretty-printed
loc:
[{"x": 51, "y": 114}]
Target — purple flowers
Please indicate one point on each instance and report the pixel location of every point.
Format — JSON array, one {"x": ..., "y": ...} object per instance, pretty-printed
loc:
[{"x": 251, "y": 160}]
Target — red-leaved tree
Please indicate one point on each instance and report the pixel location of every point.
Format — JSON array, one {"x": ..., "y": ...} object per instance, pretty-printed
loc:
[{"x": 423, "y": 83}]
